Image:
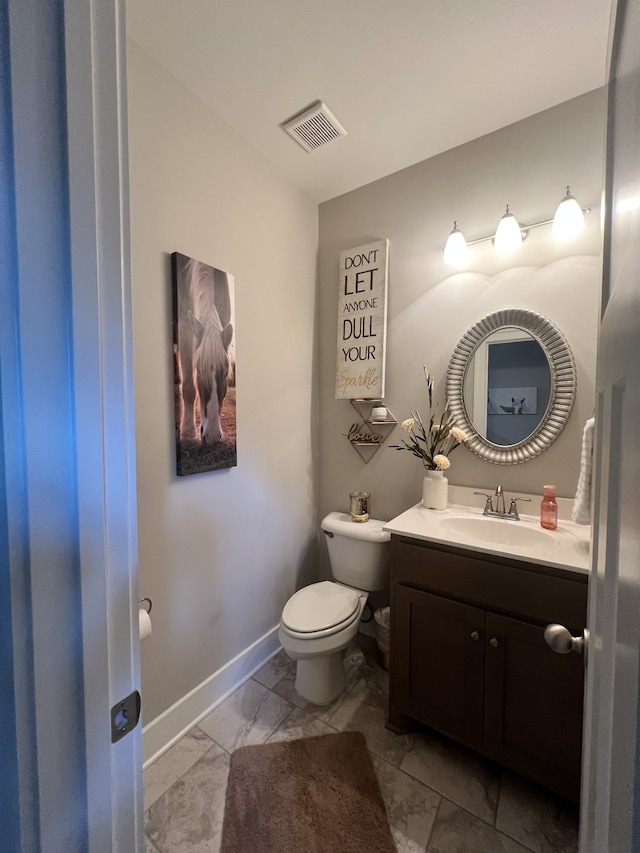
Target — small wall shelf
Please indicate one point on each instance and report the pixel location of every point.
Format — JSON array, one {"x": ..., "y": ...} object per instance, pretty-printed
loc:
[{"x": 366, "y": 440}]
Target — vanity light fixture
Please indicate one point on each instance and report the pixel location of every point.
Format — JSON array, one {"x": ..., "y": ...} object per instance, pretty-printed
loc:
[
  {"x": 456, "y": 251},
  {"x": 567, "y": 223},
  {"x": 569, "y": 219},
  {"x": 508, "y": 235}
]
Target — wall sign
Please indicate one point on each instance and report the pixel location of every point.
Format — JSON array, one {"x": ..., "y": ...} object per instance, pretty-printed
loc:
[{"x": 362, "y": 321}]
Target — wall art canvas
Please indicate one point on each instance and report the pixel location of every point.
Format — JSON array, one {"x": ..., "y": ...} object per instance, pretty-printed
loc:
[
  {"x": 204, "y": 366},
  {"x": 513, "y": 401},
  {"x": 362, "y": 321}
]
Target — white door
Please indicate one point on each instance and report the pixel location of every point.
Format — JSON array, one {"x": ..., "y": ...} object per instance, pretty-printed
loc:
[
  {"x": 68, "y": 597},
  {"x": 610, "y": 815}
]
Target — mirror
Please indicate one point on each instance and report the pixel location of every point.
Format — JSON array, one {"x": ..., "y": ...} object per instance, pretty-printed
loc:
[
  {"x": 507, "y": 386},
  {"x": 511, "y": 385}
]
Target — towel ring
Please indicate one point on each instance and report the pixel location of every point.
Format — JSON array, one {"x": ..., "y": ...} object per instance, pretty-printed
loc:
[{"x": 144, "y": 601}]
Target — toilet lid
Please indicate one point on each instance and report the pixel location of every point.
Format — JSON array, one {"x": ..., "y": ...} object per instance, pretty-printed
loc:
[{"x": 320, "y": 606}]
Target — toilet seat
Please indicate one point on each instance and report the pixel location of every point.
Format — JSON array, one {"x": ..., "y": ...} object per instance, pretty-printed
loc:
[{"x": 320, "y": 609}]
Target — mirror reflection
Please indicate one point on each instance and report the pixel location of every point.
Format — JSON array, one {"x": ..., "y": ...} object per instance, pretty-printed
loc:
[
  {"x": 511, "y": 385},
  {"x": 507, "y": 386}
]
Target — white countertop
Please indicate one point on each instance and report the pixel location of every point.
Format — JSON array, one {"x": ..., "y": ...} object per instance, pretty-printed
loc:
[{"x": 564, "y": 548}]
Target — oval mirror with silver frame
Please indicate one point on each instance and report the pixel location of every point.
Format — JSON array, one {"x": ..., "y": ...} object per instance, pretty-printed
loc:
[{"x": 511, "y": 385}]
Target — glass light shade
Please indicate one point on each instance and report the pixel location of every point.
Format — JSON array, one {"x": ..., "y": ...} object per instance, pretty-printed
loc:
[
  {"x": 456, "y": 251},
  {"x": 508, "y": 234},
  {"x": 569, "y": 219}
]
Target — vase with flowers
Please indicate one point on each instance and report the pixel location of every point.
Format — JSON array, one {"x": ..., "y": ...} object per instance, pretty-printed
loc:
[{"x": 432, "y": 443}]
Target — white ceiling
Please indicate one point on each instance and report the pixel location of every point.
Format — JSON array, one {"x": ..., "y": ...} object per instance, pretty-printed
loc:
[{"x": 407, "y": 78}]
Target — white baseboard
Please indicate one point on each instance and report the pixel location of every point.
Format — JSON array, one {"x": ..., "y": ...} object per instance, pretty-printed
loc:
[{"x": 172, "y": 724}]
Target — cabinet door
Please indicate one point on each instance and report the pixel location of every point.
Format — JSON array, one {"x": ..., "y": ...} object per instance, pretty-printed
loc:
[
  {"x": 533, "y": 705},
  {"x": 439, "y": 663}
]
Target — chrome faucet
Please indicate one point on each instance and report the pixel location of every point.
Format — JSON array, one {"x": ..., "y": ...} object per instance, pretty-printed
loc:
[{"x": 500, "y": 511}]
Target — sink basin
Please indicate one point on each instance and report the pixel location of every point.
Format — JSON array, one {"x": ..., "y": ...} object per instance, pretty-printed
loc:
[{"x": 502, "y": 532}]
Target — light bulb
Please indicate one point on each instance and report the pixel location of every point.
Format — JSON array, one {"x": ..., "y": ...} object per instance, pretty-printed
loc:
[
  {"x": 508, "y": 234},
  {"x": 456, "y": 252},
  {"x": 569, "y": 219}
]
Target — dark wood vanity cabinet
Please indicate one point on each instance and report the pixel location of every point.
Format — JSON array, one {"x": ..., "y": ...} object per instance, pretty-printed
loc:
[{"x": 468, "y": 657}]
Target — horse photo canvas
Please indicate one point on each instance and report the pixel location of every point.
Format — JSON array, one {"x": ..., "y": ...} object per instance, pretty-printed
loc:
[{"x": 204, "y": 366}]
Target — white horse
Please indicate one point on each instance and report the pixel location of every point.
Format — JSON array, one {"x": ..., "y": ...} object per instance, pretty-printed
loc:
[{"x": 204, "y": 335}]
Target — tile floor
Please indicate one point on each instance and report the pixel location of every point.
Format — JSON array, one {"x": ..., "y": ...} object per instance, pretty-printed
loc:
[{"x": 440, "y": 797}]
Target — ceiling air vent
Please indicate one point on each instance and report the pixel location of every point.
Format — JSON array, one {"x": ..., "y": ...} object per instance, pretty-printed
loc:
[{"x": 314, "y": 127}]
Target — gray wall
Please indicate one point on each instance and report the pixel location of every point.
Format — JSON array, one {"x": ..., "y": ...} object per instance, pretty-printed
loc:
[
  {"x": 219, "y": 552},
  {"x": 526, "y": 165}
]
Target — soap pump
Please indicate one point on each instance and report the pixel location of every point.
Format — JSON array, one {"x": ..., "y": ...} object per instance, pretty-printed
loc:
[{"x": 549, "y": 509}]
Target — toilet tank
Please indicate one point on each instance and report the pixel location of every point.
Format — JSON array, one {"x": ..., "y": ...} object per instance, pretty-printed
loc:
[{"x": 358, "y": 551}]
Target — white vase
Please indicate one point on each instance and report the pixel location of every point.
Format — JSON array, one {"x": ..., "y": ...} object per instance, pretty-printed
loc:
[{"x": 435, "y": 489}]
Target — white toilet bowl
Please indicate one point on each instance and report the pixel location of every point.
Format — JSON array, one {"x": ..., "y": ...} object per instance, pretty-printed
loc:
[
  {"x": 317, "y": 624},
  {"x": 320, "y": 621}
]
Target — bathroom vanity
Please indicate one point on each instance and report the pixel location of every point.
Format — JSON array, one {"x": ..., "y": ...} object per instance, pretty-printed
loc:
[{"x": 468, "y": 656}]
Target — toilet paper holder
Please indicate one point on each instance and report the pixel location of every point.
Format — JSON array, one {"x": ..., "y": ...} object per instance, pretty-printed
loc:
[{"x": 147, "y": 601}]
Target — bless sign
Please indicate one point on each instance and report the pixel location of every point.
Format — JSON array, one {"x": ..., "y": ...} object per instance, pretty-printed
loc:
[{"x": 362, "y": 321}]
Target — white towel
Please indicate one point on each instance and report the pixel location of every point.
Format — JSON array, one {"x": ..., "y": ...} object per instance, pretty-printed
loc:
[{"x": 581, "y": 512}]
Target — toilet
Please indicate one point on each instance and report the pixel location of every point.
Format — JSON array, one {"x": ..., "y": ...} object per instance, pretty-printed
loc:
[{"x": 320, "y": 621}]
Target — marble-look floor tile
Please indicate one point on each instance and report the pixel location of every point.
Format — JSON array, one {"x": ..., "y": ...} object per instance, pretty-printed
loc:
[
  {"x": 457, "y": 831},
  {"x": 275, "y": 669},
  {"x": 537, "y": 818},
  {"x": 300, "y": 723},
  {"x": 185, "y": 816},
  {"x": 365, "y": 709},
  {"x": 411, "y": 807},
  {"x": 188, "y": 817},
  {"x": 455, "y": 772},
  {"x": 167, "y": 769},
  {"x": 248, "y": 716},
  {"x": 149, "y": 846}
]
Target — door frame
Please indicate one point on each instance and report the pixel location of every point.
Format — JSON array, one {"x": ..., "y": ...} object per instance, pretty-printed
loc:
[
  {"x": 95, "y": 38},
  {"x": 67, "y": 444},
  {"x": 610, "y": 816}
]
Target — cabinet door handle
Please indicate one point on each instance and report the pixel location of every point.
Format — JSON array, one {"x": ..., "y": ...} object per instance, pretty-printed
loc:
[
  {"x": 475, "y": 636},
  {"x": 494, "y": 642}
]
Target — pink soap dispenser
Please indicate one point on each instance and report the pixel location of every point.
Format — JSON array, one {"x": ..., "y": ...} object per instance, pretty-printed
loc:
[{"x": 549, "y": 509}]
